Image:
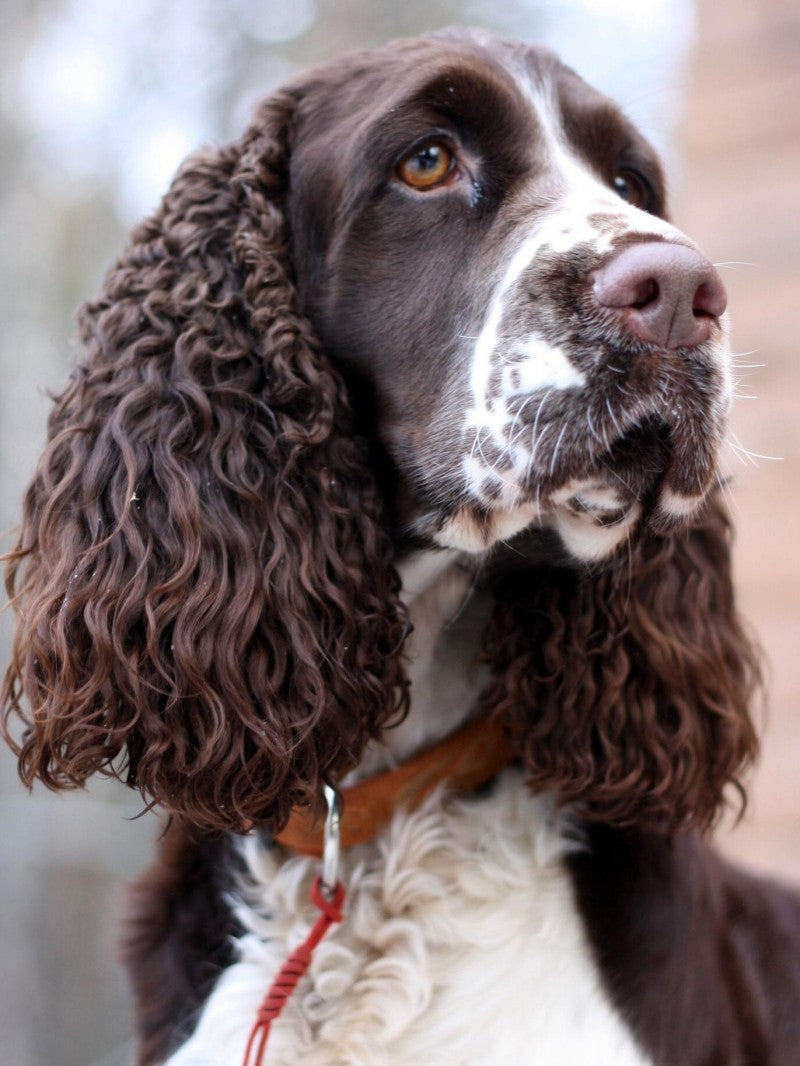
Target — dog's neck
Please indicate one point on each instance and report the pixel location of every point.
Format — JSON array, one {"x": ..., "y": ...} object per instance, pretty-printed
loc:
[{"x": 448, "y": 612}]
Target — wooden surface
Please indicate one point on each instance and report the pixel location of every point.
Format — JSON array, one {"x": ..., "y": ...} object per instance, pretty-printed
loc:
[{"x": 740, "y": 200}]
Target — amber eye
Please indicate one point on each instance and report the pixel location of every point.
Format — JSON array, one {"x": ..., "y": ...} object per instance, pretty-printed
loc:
[
  {"x": 427, "y": 166},
  {"x": 633, "y": 188}
]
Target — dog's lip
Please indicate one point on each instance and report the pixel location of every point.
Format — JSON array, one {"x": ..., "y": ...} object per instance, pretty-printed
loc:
[
  {"x": 602, "y": 502},
  {"x": 599, "y": 516},
  {"x": 616, "y": 484},
  {"x": 606, "y": 481}
]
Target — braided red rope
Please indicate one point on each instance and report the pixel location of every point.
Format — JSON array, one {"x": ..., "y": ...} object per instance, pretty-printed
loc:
[{"x": 331, "y": 911}]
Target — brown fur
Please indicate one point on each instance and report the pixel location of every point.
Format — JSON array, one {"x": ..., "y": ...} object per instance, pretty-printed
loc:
[
  {"x": 206, "y": 603},
  {"x": 207, "y": 606},
  {"x": 627, "y": 692},
  {"x": 179, "y": 935}
]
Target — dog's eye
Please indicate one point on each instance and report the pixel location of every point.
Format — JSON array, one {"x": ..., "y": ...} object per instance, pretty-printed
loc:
[
  {"x": 427, "y": 165},
  {"x": 633, "y": 188}
]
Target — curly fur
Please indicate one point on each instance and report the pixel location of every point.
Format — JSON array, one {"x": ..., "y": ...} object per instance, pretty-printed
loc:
[
  {"x": 628, "y": 691},
  {"x": 202, "y": 574},
  {"x": 204, "y": 581},
  {"x": 436, "y": 919}
]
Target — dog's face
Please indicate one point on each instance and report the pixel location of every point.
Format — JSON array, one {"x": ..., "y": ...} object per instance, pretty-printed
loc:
[{"x": 482, "y": 249}]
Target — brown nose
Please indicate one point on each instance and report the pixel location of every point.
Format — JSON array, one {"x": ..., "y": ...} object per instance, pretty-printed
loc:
[{"x": 670, "y": 295}]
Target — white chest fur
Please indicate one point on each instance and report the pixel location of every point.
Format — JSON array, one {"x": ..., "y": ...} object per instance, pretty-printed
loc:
[{"x": 461, "y": 946}]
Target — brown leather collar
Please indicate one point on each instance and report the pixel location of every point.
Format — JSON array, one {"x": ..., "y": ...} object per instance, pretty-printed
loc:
[{"x": 466, "y": 759}]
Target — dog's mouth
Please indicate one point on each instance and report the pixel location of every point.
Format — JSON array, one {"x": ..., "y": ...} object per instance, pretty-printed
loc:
[
  {"x": 656, "y": 475},
  {"x": 629, "y": 470},
  {"x": 620, "y": 491}
]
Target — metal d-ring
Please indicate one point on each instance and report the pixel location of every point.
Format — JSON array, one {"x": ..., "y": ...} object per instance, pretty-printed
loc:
[{"x": 331, "y": 841}]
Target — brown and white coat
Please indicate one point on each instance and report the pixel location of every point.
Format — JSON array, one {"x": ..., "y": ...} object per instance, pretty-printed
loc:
[{"x": 402, "y": 410}]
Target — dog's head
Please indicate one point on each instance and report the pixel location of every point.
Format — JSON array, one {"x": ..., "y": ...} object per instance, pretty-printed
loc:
[
  {"x": 480, "y": 242},
  {"x": 429, "y": 298}
]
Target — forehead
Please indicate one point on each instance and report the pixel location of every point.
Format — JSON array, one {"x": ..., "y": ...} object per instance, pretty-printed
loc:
[{"x": 506, "y": 90}]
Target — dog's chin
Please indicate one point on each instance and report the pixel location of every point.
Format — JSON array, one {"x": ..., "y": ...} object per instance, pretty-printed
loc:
[
  {"x": 594, "y": 509},
  {"x": 562, "y": 534},
  {"x": 590, "y": 520},
  {"x": 582, "y": 512}
]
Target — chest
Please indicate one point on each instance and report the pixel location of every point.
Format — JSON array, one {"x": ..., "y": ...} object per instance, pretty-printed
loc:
[{"x": 461, "y": 945}]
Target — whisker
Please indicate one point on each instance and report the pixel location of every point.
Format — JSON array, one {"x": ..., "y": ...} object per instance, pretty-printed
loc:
[
  {"x": 738, "y": 263},
  {"x": 736, "y": 453},
  {"x": 740, "y": 450},
  {"x": 727, "y": 493},
  {"x": 555, "y": 450},
  {"x": 534, "y": 438},
  {"x": 474, "y": 443},
  {"x": 738, "y": 446},
  {"x": 601, "y": 441},
  {"x": 613, "y": 417},
  {"x": 511, "y": 435},
  {"x": 614, "y": 474}
]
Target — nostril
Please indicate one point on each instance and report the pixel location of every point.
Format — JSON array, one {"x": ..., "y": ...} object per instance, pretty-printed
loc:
[
  {"x": 710, "y": 299},
  {"x": 646, "y": 293},
  {"x": 662, "y": 293}
]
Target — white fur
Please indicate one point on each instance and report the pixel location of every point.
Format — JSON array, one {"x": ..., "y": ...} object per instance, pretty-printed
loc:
[
  {"x": 461, "y": 945},
  {"x": 585, "y": 193},
  {"x": 592, "y": 494},
  {"x": 419, "y": 572},
  {"x": 589, "y": 540},
  {"x": 463, "y": 533},
  {"x": 545, "y": 367},
  {"x": 580, "y": 197},
  {"x": 677, "y": 505},
  {"x": 442, "y": 656}
]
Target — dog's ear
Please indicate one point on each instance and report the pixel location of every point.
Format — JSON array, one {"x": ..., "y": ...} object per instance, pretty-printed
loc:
[
  {"x": 206, "y": 605},
  {"x": 628, "y": 692}
]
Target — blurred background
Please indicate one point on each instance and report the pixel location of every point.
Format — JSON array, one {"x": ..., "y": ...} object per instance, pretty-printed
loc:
[{"x": 100, "y": 101}]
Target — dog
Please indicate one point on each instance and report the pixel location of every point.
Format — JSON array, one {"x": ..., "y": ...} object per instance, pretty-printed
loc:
[{"x": 391, "y": 469}]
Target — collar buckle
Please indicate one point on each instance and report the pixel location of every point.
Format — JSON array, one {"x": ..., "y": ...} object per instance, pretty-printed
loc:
[{"x": 331, "y": 841}]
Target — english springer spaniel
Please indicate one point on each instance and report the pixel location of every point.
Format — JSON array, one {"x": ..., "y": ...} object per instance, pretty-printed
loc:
[{"x": 392, "y": 463}]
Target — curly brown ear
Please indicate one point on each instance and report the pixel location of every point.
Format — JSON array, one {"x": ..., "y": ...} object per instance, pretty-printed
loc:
[
  {"x": 206, "y": 603},
  {"x": 627, "y": 692}
]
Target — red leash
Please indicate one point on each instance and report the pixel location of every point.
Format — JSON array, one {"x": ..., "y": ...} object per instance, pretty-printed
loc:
[{"x": 331, "y": 911}]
